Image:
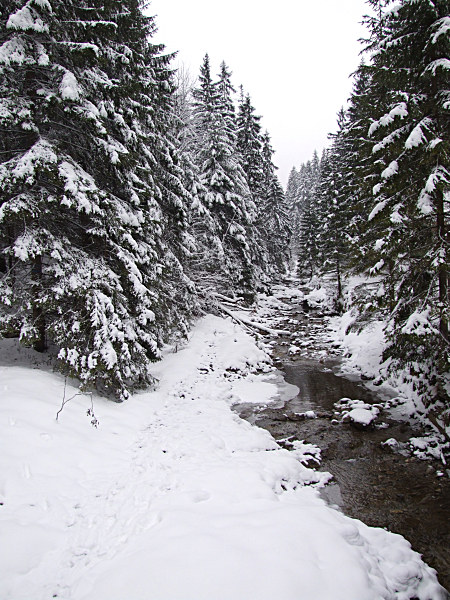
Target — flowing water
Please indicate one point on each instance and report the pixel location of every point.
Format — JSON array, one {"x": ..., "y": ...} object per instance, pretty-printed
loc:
[{"x": 371, "y": 482}]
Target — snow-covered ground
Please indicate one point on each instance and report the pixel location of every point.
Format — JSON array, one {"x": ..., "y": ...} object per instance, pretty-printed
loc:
[{"x": 173, "y": 496}]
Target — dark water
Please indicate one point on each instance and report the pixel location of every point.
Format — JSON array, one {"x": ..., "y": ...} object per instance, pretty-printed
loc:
[{"x": 372, "y": 483}]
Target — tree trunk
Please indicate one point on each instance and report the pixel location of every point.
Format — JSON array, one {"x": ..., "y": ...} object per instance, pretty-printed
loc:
[
  {"x": 339, "y": 282},
  {"x": 38, "y": 316},
  {"x": 442, "y": 271}
]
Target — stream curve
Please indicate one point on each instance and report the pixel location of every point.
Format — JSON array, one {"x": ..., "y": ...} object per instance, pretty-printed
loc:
[{"x": 378, "y": 483}]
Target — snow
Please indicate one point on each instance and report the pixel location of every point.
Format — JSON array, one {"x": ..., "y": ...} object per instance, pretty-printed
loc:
[
  {"x": 173, "y": 496},
  {"x": 396, "y": 217},
  {"x": 400, "y": 110},
  {"x": 40, "y": 154},
  {"x": 69, "y": 88},
  {"x": 377, "y": 267},
  {"x": 26, "y": 19},
  {"x": 391, "y": 169},
  {"x": 357, "y": 411},
  {"x": 254, "y": 389},
  {"x": 440, "y": 63},
  {"x": 317, "y": 296},
  {"x": 293, "y": 349},
  {"x": 425, "y": 203},
  {"x": 418, "y": 323},
  {"x": 361, "y": 415},
  {"x": 417, "y": 136},
  {"x": 378, "y": 208},
  {"x": 80, "y": 187},
  {"x": 363, "y": 348},
  {"x": 438, "y": 174},
  {"x": 310, "y": 414},
  {"x": 15, "y": 51},
  {"x": 443, "y": 27}
]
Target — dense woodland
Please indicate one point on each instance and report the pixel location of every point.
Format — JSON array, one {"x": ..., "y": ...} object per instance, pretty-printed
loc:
[
  {"x": 132, "y": 200},
  {"x": 377, "y": 202},
  {"x": 127, "y": 202}
]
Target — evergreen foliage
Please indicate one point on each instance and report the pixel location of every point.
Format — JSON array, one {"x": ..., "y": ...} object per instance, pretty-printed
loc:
[
  {"x": 237, "y": 251},
  {"x": 307, "y": 218},
  {"x": 273, "y": 218},
  {"x": 224, "y": 188},
  {"x": 412, "y": 191},
  {"x": 382, "y": 203},
  {"x": 92, "y": 205}
]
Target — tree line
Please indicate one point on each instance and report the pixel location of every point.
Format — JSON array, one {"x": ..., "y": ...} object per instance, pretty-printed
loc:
[
  {"x": 377, "y": 202},
  {"x": 127, "y": 203}
]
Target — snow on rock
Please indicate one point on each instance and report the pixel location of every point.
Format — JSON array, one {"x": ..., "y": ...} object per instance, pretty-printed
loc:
[
  {"x": 310, "y": 414},
  {"x": 362, "y": 416},
  {"x": 174, "y": 497},
  {"x": 293, "y": 349},
  {"x": 356, "y": 412},
  {"x": 428, "y": 447},
  {"x": 316, "y": 297}
]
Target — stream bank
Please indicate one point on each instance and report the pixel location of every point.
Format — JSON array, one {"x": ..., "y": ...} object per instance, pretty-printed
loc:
[{"x": 377, "y": 482}]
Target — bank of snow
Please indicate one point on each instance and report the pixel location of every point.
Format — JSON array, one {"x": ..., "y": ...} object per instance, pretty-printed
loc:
[{"x": 174, "y": 497}]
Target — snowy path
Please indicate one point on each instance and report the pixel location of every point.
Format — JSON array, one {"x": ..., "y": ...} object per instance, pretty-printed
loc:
[{"x": 174, "y": 497}]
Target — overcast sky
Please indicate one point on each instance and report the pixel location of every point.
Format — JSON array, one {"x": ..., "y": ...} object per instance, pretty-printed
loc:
[{"x": 293, "y": 57}]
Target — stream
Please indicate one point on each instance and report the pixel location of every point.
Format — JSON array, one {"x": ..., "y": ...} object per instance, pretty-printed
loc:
[{"x": 381, "y": 485}]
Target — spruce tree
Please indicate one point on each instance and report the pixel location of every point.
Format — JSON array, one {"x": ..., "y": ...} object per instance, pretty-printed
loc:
[
  {"x": 89, "y": 188},
  {"x": 250, "y": 146},
  {"x": 274, "y": 213},
  {"x": 410, "y": 144},
  {"x": 226, "y": 194},
  {"x": 308, "y": 218}
]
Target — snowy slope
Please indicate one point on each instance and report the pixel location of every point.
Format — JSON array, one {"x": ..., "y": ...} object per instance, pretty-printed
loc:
[{"x": 173, "y": 497}]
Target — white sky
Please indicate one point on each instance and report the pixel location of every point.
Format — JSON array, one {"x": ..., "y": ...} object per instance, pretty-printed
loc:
[{"x": 293, "y": 57}]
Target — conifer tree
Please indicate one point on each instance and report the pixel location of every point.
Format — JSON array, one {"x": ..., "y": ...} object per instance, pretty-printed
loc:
[
  {"x": 308, "y": 218},
  {"x": 226, "y": 193},
  {"x": 90, "y": 189},
  {"x": 410, "y": 144},
  {"x": 250, "y": 146},
  {"x": 274, "y": 213}
]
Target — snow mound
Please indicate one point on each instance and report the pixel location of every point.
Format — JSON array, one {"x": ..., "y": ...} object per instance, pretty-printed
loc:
[
  {"x": 174, "y": 497},
  {"x": 363, "y": 416},
  {"x": 357, "y": 412}
]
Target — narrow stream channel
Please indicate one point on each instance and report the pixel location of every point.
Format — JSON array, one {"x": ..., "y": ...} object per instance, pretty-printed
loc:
[{"x": 371, "y": 482}]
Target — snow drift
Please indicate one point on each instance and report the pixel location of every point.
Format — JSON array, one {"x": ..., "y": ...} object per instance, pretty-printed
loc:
[{"x": 173, "y": 496}]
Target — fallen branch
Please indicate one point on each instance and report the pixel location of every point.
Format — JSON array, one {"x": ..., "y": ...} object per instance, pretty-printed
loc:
[
  {"x": 243, "y": 321},
  {"x": 228, "y": 299}
]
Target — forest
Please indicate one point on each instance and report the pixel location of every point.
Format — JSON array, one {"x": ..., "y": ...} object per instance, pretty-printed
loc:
[
  {"x": 131, "y": 199},
  {"x": 149, "y": 255}
]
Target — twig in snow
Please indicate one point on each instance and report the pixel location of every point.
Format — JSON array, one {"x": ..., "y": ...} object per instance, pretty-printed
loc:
[{"x": 90, "y": 411}]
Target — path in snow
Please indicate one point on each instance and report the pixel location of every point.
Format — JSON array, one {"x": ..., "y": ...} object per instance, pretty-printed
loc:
[{"x": 174, "y": 497}]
